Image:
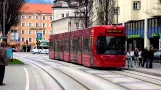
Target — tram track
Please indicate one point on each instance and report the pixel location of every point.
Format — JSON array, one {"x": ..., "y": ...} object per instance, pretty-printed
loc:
[
  {"x": 80, "y": 70},
  {"x": 148, "y": 78},
  {"x": 57, "y": 70},
  {"x": 123, "y": 73}
]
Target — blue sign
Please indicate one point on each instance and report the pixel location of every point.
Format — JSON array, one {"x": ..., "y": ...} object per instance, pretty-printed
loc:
[{"x": 39, "y": 36}]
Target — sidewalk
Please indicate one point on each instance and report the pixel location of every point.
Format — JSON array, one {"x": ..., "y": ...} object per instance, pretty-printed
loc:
[
  {"x": 156, "y": 70},
  {"x": 15, "y": 78}
]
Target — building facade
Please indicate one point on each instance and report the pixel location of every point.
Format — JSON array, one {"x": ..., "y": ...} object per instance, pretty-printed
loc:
[
  {"x": 64, "y": 18},
  {"x": 35, "y": 18},
  {"x": 142, "y": 21}
]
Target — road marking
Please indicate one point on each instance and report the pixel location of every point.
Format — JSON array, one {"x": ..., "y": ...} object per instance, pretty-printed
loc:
[{"x": 27, "y": 79}]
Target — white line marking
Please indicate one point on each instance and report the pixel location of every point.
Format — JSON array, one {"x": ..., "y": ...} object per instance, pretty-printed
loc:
[{"x": 27, "y": 79}]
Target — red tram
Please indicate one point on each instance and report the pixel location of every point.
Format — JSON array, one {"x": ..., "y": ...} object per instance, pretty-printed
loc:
[{"x": 100, "y": 46}]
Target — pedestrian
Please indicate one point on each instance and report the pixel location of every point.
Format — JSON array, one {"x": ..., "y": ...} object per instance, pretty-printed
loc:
[
  {"x": 140, "y": 59},
  {"x": 136, "y": 57},
  {"x": 145, "y": 57},
  {"x": 3, "y": 61},
  {"x": 151, "y": 57},
  {"x": 129, "y": 58}
]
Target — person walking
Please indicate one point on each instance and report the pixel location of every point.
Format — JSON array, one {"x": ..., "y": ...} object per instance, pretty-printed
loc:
[
  {"x": 136, "y": 57},
  {"x": 3, "y": 61},
  {"x": 145, "y": 57},
  {"x": 151, "y": 57},
  {"x": 140, "y": 58},
  {"x": 129, "y": 58}
]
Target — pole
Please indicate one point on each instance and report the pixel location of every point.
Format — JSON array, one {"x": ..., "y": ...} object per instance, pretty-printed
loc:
[
  {"x": 117, "y": 11},
  {"x": 86, "y": 14},
  {"x": 4, "y": 11}
]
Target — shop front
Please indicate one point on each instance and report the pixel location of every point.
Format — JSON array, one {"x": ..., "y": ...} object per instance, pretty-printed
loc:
[
  {"x": 154, "y": 31},
  {"x": 135, "y": 34}
]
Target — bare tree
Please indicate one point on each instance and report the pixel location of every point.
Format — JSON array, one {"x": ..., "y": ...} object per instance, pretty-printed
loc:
[
  {"x": 105, "y": 12},
  {"x": 84, "y": 12},
  {"x": 12, "y": 13}
]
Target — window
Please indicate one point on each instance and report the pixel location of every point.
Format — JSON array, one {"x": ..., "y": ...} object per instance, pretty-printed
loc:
[
  {"x": 23, "y": 17},
  {"x": 62, "y": 15},
  {"x": 136, "y": 5},
  {"x": 23, "y": 39},
  {"x": 77, "y": 25},
  {"x": 36, "y": 17},
  {"x": 37, "y": 24},
  {"x": 43, "y": 17},
  {"x": 43, "y": 25},
  {"x": 30, "y": 24},
  {"x": 43, "y": 31},
  {"x": 30, "y": 31},
  {"x": 117, "y": 10},
  {"x": 23, "y": 31},
  {"x": 67, "y": 14},
  {"x": 30, "y": 39},
  {"x": 85, "y": 45},
  {"x": 30, "y": 17},
  {"x": 112, "y": 45},
  {"x": 51, "y": 18},
  {"x": 23, "y": 24}
]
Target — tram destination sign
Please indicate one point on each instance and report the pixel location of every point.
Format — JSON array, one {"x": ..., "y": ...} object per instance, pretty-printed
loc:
[{"x": 114, "y": 31}]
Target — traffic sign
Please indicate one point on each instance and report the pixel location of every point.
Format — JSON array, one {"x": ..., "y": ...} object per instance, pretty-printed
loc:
[{"x": 39, "y": 36}]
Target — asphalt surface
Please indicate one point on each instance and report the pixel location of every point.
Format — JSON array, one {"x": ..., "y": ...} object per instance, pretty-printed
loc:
[{"x": 42, "y": 73}]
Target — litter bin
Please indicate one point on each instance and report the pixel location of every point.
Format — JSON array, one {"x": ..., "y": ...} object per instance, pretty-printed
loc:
[{"x": 9, "y": 53}]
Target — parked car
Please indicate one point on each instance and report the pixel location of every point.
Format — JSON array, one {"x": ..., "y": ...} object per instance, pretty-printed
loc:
[
  {"x": 157, "y": 55},
  {"x": 14, "y": 49}
]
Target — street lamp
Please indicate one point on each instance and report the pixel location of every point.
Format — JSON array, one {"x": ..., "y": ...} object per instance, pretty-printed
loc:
[{"x": 4, "y": 17}]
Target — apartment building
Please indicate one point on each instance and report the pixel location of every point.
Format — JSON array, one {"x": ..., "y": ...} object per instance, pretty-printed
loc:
[
  {"x": 142, "y": 19},
  {"x": 35, "y": 18},
  {"x": 64, "y": 18}
]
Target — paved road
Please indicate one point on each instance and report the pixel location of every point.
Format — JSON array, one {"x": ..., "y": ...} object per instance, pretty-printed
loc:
[{"x": 57, "y": 75}]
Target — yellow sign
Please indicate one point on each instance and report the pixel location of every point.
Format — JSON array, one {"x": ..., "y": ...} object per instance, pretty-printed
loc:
[
  {"x": 37, "y": 28},
  {"x": 114, "y": 31}
]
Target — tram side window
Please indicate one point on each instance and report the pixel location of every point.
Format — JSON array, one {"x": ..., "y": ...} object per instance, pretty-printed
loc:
[
  {"x": 86, "y": 45},
  {"x": 77, "y": 44},
  {"x": 71, "y": 45},
  {"x": 59, "y": 48},
  {"x": 56, "y": 46},
  {"x": 67, "y": 45},
  {"x": 61, "y": 45}
]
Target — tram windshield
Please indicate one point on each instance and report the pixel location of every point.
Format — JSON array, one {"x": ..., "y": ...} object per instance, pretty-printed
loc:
[{"x": 112, "y": 45}]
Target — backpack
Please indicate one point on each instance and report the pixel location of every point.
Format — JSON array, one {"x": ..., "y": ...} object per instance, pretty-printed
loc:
[{"x": 136, "y": 53}]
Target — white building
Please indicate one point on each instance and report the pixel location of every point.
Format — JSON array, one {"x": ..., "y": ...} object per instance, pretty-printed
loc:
[{"x": 64, "y": 18}]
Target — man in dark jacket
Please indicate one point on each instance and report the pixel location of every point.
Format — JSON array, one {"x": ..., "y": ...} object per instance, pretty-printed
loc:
[
  {"x": 151, "y": 57},
  {"x": 145, "y": 56}
]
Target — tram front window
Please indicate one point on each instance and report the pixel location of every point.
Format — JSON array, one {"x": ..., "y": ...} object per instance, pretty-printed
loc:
[{"x": 111, "y": 45}]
